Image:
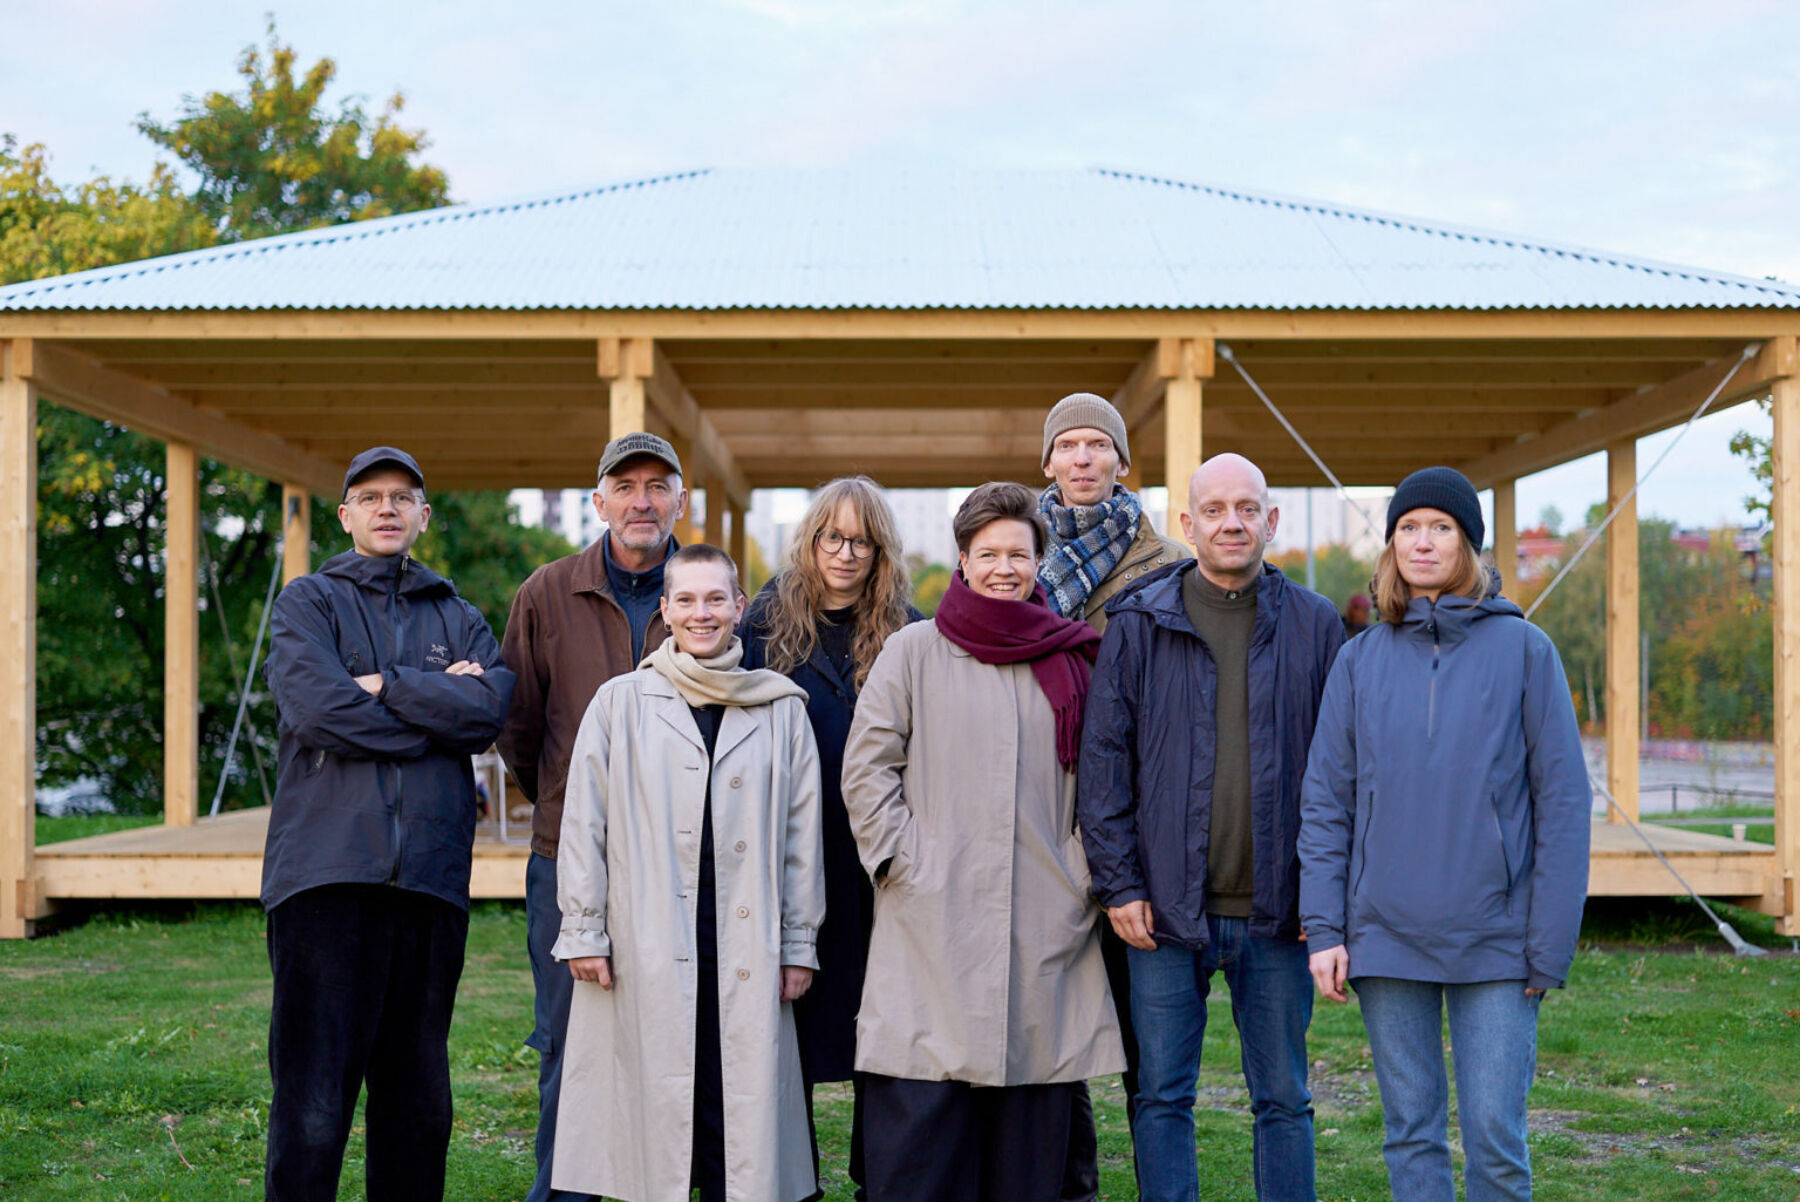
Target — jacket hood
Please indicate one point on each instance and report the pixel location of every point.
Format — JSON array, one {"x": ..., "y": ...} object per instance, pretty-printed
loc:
[
  {"x": 1448, "y": 618},
  {"x": 1160, "y": 596},
  {"x": 387, "y": 573}
]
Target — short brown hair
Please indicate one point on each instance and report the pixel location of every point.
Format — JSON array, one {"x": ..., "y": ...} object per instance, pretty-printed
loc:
[
  {"x": 699, "y": 553},
  {"x": 1391, "y": 591},
  {"x": 1000, "y": 501}
]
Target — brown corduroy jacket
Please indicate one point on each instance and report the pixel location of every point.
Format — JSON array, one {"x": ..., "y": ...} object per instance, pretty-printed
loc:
[{"x": 566, "y": 637}]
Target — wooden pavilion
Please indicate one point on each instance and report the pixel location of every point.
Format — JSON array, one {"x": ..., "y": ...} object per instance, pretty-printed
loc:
[{"x": 786, "y": 327}]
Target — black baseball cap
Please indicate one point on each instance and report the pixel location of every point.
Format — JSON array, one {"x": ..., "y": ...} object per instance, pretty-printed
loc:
[{"x": 376, "y": 457}]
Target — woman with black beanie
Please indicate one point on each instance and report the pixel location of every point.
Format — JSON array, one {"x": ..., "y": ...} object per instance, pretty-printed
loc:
[{"x": 1444, "y": 843}]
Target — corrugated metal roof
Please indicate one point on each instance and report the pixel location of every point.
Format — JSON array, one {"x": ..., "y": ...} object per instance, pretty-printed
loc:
[{"x": 897, "y": 239}]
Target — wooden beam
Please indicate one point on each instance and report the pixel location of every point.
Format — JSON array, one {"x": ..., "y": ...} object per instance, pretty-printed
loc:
[
  {"x": 181, "y": 637},
  {"x": 1233, "y": 324},
  {"x": 1785, "y": 512},
  {"x": 83, "y": 383},
  {"x": 1181, "y": 363},
  {"x": 1506, "y": 532},
  {"x": 296, "y": 532},
  {"x": 677, "y": 404},
  {"x": 1622, "y": 631},
  {"x": 1644, "y": 412},
  {"x": 18, "y": 639},
  {"x": 1138, "y": 398}
]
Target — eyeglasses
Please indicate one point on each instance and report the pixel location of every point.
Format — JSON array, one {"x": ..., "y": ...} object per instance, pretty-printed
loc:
[
  {"x": 402, "y": 499},
  {"x": 831, "y": 542}
]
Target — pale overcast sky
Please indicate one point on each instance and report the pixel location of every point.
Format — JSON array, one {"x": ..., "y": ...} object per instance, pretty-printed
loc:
[{"x": 1668, "y": 129}]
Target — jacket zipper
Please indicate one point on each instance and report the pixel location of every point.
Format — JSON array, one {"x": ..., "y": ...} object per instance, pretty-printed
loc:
[
  {"x": 399, "y": 771},
  {"x": 1431, "y": 704}
]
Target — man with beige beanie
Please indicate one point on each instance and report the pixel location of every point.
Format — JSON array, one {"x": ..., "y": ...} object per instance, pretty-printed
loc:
[{"x": 1100, "y": 545}]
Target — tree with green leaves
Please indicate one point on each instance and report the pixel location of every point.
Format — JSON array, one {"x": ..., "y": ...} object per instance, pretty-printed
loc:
[{"x": 267, "y": 159}]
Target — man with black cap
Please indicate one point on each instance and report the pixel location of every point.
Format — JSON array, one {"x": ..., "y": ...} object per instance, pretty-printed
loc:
[
  {"x": 575, "y": 624},
  {"x": 386, "y": 682}
]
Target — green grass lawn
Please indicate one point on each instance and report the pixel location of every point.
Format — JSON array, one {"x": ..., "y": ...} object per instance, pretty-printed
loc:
[{"x": 132, "y": 1067}]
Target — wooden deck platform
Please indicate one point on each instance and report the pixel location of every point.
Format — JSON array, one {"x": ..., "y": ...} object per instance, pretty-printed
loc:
[{"x": 222, "y": 858}]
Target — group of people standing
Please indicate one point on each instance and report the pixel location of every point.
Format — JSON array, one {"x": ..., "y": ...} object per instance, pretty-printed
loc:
[{"x": 966, "y": 864}]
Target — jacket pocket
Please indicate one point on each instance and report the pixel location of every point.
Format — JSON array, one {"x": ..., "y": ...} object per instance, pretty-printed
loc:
[
  {"x": 315, "y": 763},
  {"x": 1506, "y": 864},
  {"x": 1074, "y": 856}
]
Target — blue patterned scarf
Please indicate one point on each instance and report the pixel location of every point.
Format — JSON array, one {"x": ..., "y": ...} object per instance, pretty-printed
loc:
[{"x": 1086, "y": 543}]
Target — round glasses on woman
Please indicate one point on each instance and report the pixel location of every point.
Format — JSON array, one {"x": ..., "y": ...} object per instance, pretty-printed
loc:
[{"x": 832, "y": 543}]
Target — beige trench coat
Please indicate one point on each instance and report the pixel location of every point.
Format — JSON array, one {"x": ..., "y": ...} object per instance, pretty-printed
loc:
[
  {"x": 627, "y": 875},
  {"x": 985, "y": 963}
]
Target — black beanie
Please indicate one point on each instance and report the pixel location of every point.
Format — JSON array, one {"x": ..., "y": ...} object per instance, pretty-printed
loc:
[{"x": 1442, "y": 488}]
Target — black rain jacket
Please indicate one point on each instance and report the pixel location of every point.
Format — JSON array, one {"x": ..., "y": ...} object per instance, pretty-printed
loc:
[
  {"x": 378, "y": 789},
  {"x": 1146, "y": 773}
]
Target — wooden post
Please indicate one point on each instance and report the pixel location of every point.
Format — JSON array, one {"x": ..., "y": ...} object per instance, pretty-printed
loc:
[
  {"x": 1184, "y": 363},
  {"x": 1785, "y": 512},
  {"x": 715, "y": 512},
  {"x": 1622, "y": 631},
  {"x": 18, "y": 640},
  {"x": 687, "y": 531},
  {"x": 296, "y": 531},
  {"x": 181, "y": 638},
  {"x": 740, "y": 543},
  {"x": 1506, "y": 533},
  {"x": 626, "y": 363}
]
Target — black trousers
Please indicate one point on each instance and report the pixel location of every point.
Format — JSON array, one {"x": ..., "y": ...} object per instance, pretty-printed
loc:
[
  {"x": 947, "y": 1141},
  {"x": 1081, "y": 1181},
  {"x": 365, "y": 980}
]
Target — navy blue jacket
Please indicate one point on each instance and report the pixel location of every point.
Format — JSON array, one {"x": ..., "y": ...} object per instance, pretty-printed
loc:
[
  {"x": 1146, "y": 772},
  {"x": 378, "y": 789},
  {"x": 1447, "y": 809},
  {"x": 826, "y": 1014}
]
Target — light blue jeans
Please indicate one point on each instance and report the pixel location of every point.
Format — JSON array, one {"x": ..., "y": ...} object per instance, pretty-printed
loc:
[
  {"x": 1493, "y": 1041},
  {"x": 1271, "y": 1003}
]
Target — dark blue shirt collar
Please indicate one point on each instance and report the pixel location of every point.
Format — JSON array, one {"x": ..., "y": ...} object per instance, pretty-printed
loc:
[{"x": 634, "y": 584}]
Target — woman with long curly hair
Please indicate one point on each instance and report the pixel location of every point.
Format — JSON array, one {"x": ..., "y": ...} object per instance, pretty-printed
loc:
[{"x": 822, "y": 622}]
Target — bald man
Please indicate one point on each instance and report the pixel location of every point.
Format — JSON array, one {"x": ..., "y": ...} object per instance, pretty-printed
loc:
[{"x": 1191, "y": 841}]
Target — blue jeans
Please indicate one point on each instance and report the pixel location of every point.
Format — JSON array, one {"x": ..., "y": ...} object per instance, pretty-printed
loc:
[
  {"x": 1271, "y": 1003},
  {"x": 543, "y": 920},
  {"x": 1493, "y": 1039}
]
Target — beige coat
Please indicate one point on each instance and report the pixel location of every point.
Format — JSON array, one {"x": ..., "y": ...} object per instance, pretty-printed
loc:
[
  {"x": 1148, "y": 552},
  {"x": 627, "y": 876},
  {"x": 985, "y": 962}
]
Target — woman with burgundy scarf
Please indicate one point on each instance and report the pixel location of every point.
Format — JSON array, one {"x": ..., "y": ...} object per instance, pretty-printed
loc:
[{"x": 985, "y": 1008}]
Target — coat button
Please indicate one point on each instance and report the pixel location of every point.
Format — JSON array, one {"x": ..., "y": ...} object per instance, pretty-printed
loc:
[
  {"x": 743, "y": 911},
  {"x": 737, "y": 782},
  {"x": 743, "y": 974},
  {"x": 738, "y": 846}
]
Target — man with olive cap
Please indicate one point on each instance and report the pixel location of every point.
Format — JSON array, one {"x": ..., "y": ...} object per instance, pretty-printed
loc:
[
  {"x": 576, "y": 623},
  {"x": 386, "y": 683},
  {"x": 1100, "y": 545}
]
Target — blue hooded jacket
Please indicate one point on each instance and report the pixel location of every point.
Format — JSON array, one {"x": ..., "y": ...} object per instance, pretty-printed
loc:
[
  {"x": 1146, "y": 771},
  {"x": 378, "y": 789},
  {"x": 1446, "y": 811}
]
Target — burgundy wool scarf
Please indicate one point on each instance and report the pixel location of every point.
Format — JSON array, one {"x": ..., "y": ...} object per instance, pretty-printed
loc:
[{"x": 1058, "y": 649}]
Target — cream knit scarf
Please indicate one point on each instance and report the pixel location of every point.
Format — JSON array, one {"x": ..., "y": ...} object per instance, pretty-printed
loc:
[{"x": 719, "y": 680}]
